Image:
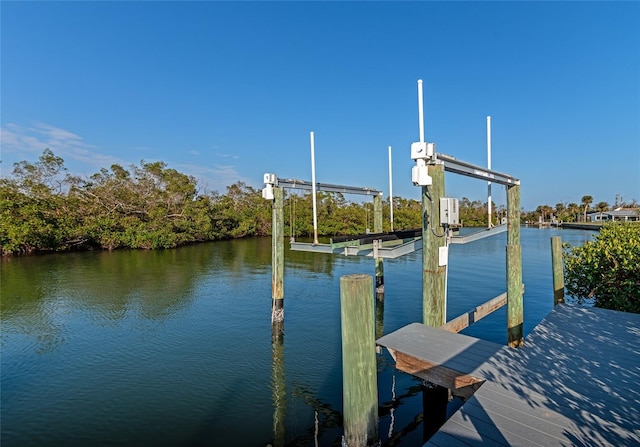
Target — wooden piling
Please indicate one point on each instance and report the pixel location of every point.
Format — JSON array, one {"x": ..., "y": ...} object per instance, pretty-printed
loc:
[
  {"x": 277, "y": 257},
  {"x": 515, "y": 311},
  {"x": 377, "y": 228},
  {"x": 558, "y": 270},
  {"x": 433, "y": 237},
  {"x": 359, "y": 379},
  {"x": 435, "y": 399},
  {"x": 278, "y": 390}
]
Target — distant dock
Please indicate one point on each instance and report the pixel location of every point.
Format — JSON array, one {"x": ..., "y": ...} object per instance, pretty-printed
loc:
[
  {"x": 595, "y": 226},
  {"x": 576, "y": 381}
]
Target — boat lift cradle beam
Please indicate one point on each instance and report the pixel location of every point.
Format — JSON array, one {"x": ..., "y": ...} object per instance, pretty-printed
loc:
[
  {"x": 451, "y": 164},
  {"x": 375, "y": 250},
  {"x": 395, "y": 251},
  {"x": 308, "y": 186},
  {"x": 390, "y": 249}
]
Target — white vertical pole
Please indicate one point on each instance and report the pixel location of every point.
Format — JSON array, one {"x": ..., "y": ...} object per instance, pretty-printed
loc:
[
  {"x": 420, "y": 111},
  {"x": 390, "y": 190},
  {"x": 313, "y": 190},
  {"x": 489, "y": 223}
]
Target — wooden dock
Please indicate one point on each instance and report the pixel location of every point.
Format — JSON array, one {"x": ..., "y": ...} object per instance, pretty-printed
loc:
[
  {"x": 594, "y": 226},
  {"x": 575, "y": 382}
]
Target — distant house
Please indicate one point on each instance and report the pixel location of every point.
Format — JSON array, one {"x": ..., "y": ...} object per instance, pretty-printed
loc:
[{"x": 617, "y": 215}]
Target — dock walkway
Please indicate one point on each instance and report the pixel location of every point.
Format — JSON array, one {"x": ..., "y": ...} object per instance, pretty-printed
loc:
[{"x": 576, "y": 382}]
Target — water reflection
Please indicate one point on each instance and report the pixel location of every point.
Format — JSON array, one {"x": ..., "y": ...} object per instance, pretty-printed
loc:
[
  {"x": 239, "y": 255},
  {"x": 40, "y": 293},
  {"x": 326, "y": 425},
  {"x": 278, "y": 386},
  {"x": 174, "y": 347}
]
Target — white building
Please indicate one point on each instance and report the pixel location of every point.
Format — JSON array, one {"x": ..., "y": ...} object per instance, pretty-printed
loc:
[{"x": 617, "y": 215}]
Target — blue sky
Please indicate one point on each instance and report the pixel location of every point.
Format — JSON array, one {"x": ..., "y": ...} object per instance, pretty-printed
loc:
[{"x": 226, "y": 91}]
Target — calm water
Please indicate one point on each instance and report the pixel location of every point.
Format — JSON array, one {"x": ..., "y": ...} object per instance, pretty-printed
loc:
[{"x": 173, "y": 348}]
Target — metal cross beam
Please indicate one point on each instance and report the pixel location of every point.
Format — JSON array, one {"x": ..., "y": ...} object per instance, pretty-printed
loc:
[
  {"x": 463, "y": 168},
  {"x": 301, "y": 184}
]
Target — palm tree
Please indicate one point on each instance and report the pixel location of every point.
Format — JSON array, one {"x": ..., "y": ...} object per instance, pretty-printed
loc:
[
  {"x": 586, "y": 200},
  {"x": 574, "y": 211},
  {"x": 602, "y": 207},
  {"x": 561, "y": 211},
  {"x": 544, "y": 210}
]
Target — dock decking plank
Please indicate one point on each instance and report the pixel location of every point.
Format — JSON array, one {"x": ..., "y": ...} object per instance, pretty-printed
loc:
[
  {"x": 466, "y": 435},
  {"x": 577, "y": 428},
  {"x": 575, "y": 382},
  {"x": 517, "y": 417},
  {"x": 444, "y": 439},
  {"x": 499, "y": 430},
  {"x": 580, "y": 372}
]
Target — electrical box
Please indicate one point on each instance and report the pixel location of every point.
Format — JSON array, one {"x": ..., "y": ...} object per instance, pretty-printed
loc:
[
  {"x": 420, "y": 176},
  {"x": 418, "y": 150},
  {"x": 267, "y": 192},
  {"x": 422, "y": 150},
  {"x": 270, "y": 179},
  {"x": 449, "y": 211},
  {"x": 443, "y": 256}
]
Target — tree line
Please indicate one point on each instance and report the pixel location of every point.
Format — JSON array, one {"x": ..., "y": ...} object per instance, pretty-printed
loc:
[
  {"x": 150, "y": 206},
  {"x": 44, "y": 208},
  {"x": 574, "y": 212}
]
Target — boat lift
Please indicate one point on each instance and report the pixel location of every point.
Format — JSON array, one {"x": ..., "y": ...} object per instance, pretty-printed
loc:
[{"x": 441, "y": 212}]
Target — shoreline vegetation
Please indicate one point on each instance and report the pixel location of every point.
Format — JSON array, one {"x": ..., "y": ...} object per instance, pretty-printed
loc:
[
  {"x": 151, "y": 206},
  {"x": 606, "y": 270}
]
